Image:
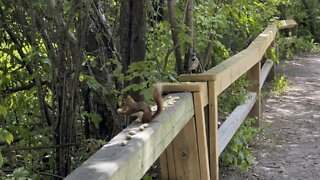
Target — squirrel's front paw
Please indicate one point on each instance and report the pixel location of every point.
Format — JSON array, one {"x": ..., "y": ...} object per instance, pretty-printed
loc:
[{"x": 137, "y": 121}]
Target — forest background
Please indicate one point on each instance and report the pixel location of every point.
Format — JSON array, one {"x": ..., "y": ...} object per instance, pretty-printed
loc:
[{"x": 65, "y": 66}]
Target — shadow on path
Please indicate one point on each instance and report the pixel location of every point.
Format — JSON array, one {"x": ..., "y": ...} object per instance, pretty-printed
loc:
[{"x": 290, "y": 147}]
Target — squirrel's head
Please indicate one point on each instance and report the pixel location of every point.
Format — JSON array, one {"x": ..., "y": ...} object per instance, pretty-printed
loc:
[{"x": 126, "y": 105}]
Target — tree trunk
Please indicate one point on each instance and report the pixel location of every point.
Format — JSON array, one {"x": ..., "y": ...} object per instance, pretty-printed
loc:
[
  {"x": 189, "y": 24},
  {"x": 175, "y": 37},
  {"x": 66, "y": 71},
  {"x": 132, "y": 36}
]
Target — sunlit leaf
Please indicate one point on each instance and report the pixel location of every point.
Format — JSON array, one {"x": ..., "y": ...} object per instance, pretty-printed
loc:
[
  {"x": 95, "y": 118},
  {"x": 3, "y": 111},
  {"x": 6, "y": 135},
  {"x": 20, "y": 173}
]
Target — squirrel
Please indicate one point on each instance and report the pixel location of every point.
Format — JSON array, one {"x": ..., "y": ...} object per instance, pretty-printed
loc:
[{"x": 141, "y": 109}]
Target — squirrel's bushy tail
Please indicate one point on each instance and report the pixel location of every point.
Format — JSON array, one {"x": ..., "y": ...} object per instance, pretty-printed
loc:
[{"x": 157, "y": 97}]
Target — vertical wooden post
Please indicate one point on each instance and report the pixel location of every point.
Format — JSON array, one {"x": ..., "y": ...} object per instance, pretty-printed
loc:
[
  {"x": 167, "y": 166},
  {"x": 180, "y": 160},
  {"x": 187, "y": 156},
  {"x": 273, "y": 70},
  {"x": 213, "y": 130},
  {"x": 201, "y": 135},
  {"x": 185, "y": 150},
  {"x": 254, "y": 77}
]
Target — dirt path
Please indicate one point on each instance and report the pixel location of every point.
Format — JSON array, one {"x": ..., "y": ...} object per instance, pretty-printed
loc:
[{"x": 290, "y": 147}]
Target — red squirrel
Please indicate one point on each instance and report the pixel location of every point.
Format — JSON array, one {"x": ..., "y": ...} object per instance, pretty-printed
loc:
[{"x": 141, "y": 109}]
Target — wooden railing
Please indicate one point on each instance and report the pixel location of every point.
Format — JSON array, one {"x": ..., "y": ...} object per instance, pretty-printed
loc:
[{"x": 186, "y": 136}]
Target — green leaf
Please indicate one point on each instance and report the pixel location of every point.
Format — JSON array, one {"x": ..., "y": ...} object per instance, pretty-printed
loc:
[
  {"x": 6, "y": 135},
  {"x": 9, "y": 138},
  {"x": 235, "y": 147},
  {"x": 20, "y": 173},
  {"x": 226, "y": 158},
  {"x": 1, "y": 160},
  {"x": 244, "y": 165},
  {"x": 3, "y": 111},
  {"x": 147, "y": 177},
  {"x": 95, "y": 118},
  {"x": 249, "y": 159}
]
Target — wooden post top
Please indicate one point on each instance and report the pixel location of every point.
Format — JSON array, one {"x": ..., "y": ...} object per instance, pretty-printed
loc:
[
  {"x": 287, "y": 24},
  {"x": 184, "y": 87}
]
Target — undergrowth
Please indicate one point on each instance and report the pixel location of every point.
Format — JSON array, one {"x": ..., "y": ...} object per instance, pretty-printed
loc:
[
  {"x": 279, "y": 84},
  {"x": 238, "y": 153}
]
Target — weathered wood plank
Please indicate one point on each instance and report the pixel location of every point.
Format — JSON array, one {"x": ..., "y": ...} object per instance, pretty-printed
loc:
[
  {"x": 201, "y": 87},
  {"x": 196, "y": 77},
  {"x": 254, "y": 77},
  {"x": 183, "y": 87},
  {"x": 231, "y": 69},
  {"x": 130, "y": 162},
  {"x": 171, "y": 163},
  {"x": 265, "y": 71},
  {"x": 164, "y": 165},
  {"x": 213, "y": 131},
  {"x": 287, "y": 24},
  {"x": 185, "y": 150},
  {"x": 201, "y": 133},
  {"x": 233, "y": 122}
]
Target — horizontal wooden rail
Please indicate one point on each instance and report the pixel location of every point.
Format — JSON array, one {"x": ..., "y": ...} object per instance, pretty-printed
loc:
[
  {"x": 231, "y": 69},
  {"x": 114, "y": 161},
  {"x": 234, "y": 121},
  {"x": 265, "y": 71},
  {"x": 287, "y": 24}
]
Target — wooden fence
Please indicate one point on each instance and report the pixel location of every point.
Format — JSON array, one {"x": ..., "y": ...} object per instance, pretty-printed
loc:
[{"x": 185, "y": 137}]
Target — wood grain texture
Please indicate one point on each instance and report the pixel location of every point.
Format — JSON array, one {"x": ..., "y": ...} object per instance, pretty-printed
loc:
[
  {"x": 267, "y": 66},
  {"x": 164, "y": 165},
  {"x": 130, "y": 162},
  {"x": 213, "y": 131},
  {"x": 287, "y": 24},
  {"x": 184, "y": 86},
  {"x": 254, "y": 77},
  {"x": 185, "y": 150},
  {"x": 201, "y": 134},
  {"x": 234, "y": 121}
]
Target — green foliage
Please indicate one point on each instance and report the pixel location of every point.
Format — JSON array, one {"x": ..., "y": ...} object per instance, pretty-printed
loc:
[
  {"x": 305, "y": 44},
  {"x": 1, "y": 160},
  {"x": 288, "y": 46},
  {"x": 272, "y": 54},
  {"x": 147, "y": 177},
  {"x": 21, "y": 174},
  {"x": 6, "y": 135},
  {"x": 95, "y": 118},
  {"x": 146, "y": 72},
  {"x": 90, "y": 146},
  {"x": 232, "y": 24},
  {"x": 3, "y": 111},
  {"x": 279, "y": 84},
  {"x": 285, "y": 46},
  {"x": 237, "y": 153},
  {"x": 233, "y": 96}
]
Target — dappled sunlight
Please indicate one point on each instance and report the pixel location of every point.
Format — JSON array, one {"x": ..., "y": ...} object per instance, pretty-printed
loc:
[
  {"x": 103, "y": 167},
  {"x": 294, "y": 119}
]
